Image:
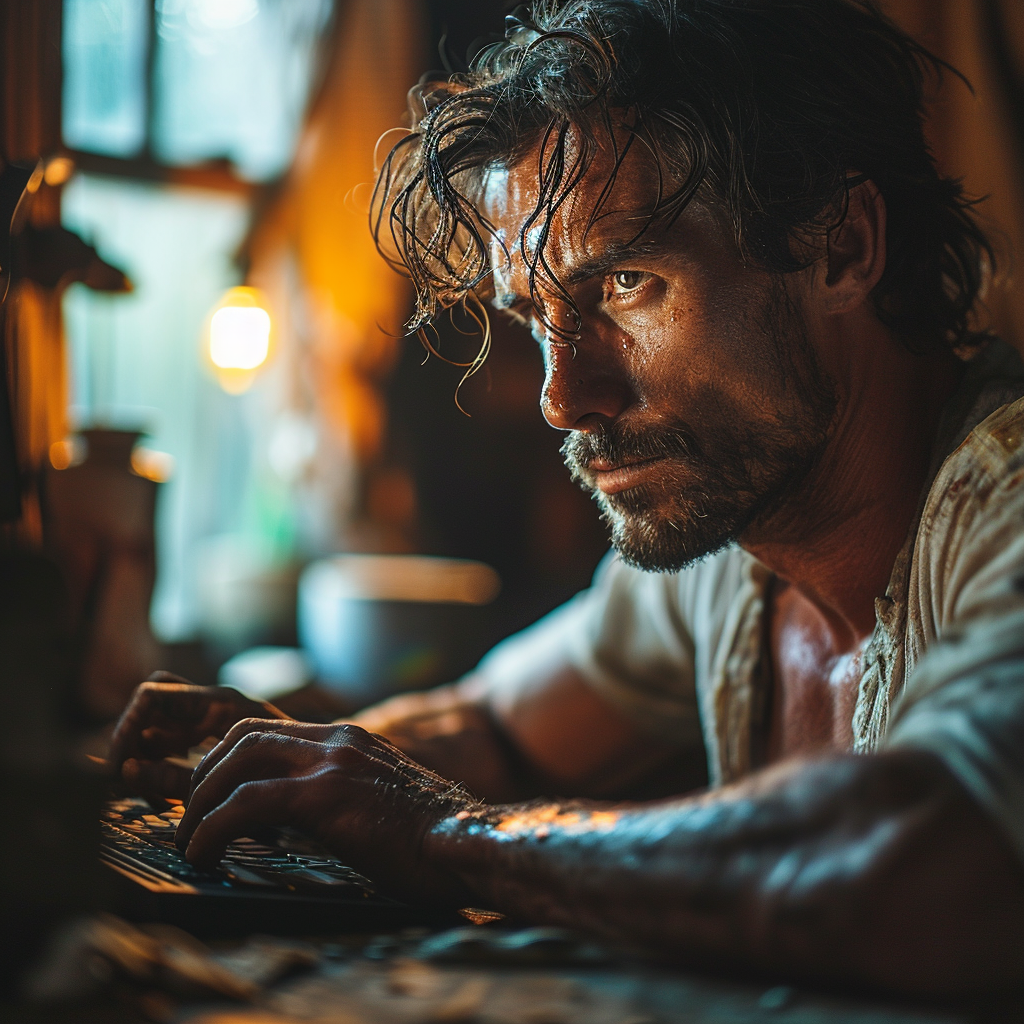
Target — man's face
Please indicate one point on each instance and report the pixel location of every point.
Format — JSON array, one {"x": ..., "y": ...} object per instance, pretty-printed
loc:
[{"x": 692, "y": 396}]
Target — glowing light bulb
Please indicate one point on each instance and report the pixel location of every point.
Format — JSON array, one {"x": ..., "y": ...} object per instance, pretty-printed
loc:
[{"x": 239, "y": 338}]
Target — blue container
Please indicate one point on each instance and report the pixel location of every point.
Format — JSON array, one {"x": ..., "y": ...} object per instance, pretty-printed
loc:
[{"x": 374, "y": 625}]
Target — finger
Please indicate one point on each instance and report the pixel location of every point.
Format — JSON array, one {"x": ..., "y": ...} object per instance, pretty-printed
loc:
[
  {"x": 159, "y": 742},
  {"x": 227, "y": 706},
  {"x": 257, "y": 756},
  {"x": 124, "y": 743},
  {"x": 251, "y": 806},
  {"x": 174, "y": 706},
  {"x": 163, "y": 676},
  {"x": 298, "y": 730},
  {"x": 155, "y": 778}
]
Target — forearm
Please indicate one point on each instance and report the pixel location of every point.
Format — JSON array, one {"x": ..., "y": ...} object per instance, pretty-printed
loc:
[
  {"x": 554, "y": 734},
  {"x": 452, "y": 731},
  {"x": 868, "y": 870}
]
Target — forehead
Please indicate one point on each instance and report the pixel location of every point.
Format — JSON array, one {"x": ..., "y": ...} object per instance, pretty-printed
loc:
[
  {"x": 511, "y": 196},
  {"x": 606, "y": 210}
]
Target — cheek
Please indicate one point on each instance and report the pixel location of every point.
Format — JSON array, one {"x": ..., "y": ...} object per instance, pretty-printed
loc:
[
  {"x": 701, "y": 346},
  {"x": 669, "y": 344}
]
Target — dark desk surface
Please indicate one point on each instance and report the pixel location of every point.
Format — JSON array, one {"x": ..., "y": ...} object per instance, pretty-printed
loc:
[
  {"x": 416, "y": 978},
  {"x": 409, "y": 991}
]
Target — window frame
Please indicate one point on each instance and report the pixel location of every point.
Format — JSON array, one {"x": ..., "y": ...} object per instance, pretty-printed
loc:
[{"x": 219, "y": 174}]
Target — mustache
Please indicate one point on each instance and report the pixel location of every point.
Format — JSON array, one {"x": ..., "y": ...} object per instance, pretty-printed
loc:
[{"x": 618, "y": 445}]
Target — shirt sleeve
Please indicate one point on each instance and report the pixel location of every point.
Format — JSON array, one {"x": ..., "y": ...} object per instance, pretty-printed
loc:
[
  {"x": 627, "y": 637},
  {"x": 964, "y": 701}
]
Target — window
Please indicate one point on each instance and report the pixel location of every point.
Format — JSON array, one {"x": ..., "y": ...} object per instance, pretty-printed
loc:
[
  {"x": 189, "y": 81},
  {"x": 154, "y": 91},
  {"x": 105, "y": 63}
]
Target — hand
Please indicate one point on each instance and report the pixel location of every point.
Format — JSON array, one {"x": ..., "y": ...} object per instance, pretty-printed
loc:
[
  {"x": 351, "y": 790},
  {"x": 165, "y": 717}
]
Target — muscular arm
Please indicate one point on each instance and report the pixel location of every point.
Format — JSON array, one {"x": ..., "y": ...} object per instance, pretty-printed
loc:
[{"x": 875, "y": 870}]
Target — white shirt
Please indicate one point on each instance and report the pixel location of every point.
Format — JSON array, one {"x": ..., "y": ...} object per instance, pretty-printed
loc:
[{"x": 683, "y": 654}]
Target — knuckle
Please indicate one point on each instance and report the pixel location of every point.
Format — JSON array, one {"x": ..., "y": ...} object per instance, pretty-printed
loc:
[
  {"x": 242, "y": 728},
  {"x": 252, "y": 739},
  {"x": 253, "y": 793},
  {"x": 349, "y": 733}
]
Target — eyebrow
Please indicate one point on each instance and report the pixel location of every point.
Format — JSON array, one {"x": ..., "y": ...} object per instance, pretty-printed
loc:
[{"x": 614, "y": 253}]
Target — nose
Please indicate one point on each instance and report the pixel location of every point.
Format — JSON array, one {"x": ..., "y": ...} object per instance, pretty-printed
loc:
[{"x": 584, "y": 385}]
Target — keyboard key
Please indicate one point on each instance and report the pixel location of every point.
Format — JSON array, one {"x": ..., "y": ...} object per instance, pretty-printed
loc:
[
  {"x": 245, "y": 876},
  {"x": 135, "y": 833}
]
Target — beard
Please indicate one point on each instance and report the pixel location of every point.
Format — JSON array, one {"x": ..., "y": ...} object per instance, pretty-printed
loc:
[{"x": 714, "y": 483}]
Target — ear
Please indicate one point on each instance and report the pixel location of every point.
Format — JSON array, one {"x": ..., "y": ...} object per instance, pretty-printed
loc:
[{"x": 856, "y": 249}]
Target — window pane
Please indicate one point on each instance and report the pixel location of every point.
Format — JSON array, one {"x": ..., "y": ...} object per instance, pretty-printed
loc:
[
  {"x": 105, "y": 48},
  {"x": 136, "y": 361},
  {"x": 232, "y": 80}
]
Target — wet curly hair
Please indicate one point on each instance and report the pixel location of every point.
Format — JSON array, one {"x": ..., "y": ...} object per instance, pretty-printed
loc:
[{"x": 768, "y": 110}]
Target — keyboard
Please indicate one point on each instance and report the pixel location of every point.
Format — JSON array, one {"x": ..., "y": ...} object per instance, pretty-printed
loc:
[{"x": 280, "y": 883}]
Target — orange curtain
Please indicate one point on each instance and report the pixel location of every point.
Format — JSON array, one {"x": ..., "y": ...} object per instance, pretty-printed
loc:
[
  {"x": 34, "y": 345},
  {"x": 32, "y": 342},
  {"x": 339, "y": 306}
]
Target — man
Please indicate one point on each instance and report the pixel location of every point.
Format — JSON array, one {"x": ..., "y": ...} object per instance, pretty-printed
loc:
[{"x": 753, "y": 293}]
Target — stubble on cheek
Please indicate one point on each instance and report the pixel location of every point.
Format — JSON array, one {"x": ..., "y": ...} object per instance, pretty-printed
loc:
[
  {"x": 684, "y": 510},
  {"x": 742, "y": 451}
]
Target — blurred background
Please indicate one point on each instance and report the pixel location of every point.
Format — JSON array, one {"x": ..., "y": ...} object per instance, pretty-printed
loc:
[{"x": 210, "y": 393}]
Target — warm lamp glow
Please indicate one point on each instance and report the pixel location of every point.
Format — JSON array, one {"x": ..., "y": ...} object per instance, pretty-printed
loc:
[
  {"x": 58, "y": 170},
  {"x": 153, "y": 465},
  {"x": 239, "y": 337},
  {"x": 62, "y": 454}
]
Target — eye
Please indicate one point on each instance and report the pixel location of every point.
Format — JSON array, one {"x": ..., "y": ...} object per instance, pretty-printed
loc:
[{"x": 627, "y": 281}]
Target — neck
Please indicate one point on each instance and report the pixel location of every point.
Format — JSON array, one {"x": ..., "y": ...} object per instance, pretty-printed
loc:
[{"x": 837, "y": 537}]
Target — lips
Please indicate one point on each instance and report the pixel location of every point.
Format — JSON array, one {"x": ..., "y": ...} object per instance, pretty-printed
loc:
[
  {"x": 614, "y": 459},
  {"x": 610, "y": 478}
]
